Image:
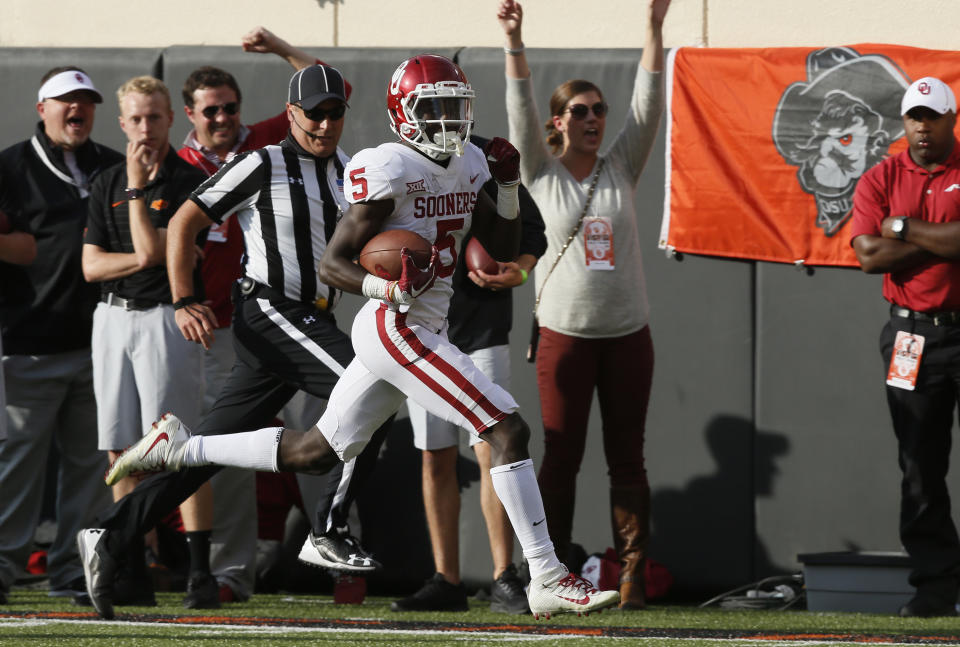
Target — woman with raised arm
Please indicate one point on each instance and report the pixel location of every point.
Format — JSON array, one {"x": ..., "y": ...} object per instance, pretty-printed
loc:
[{"x": 591, "y": 294}]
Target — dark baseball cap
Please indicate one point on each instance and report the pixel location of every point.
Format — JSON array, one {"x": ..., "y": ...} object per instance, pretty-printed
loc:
[{"x": 313, "y": 85}]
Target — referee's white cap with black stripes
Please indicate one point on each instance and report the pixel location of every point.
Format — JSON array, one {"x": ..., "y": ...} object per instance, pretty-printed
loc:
[{"x": 313, "y": 85}]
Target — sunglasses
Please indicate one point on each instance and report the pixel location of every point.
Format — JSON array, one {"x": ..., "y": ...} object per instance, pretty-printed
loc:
[
  {"x": 579, "y": 110},
  {"x": 319, "y": 114},
  {"x": 232, "y": 108}
]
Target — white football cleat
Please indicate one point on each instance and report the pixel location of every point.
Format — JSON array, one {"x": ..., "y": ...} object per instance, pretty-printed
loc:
[
  {"x": 160, "y": 449},
  {"x": 561, "y": 591}
]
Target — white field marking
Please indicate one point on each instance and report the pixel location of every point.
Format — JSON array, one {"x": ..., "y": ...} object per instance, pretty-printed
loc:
[
  {"x": 220, "y": 629},
  {"x": 307, "y": 600}
]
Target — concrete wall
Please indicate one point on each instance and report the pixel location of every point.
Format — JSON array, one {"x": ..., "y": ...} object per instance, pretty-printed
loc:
[
  {"x": 429, "y": 24},
  {"x": 767, "y": 434}
]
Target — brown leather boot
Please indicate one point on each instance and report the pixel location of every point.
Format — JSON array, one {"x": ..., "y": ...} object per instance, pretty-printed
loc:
[{"x": 630, "y": 514}]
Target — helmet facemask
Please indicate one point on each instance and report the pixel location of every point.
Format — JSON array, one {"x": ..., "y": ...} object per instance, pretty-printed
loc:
[{"x": 439, "y": 118}]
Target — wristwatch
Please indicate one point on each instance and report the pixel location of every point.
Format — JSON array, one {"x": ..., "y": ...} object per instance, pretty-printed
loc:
[
  {"x": 133, "y": 194},
  {"x": 899, "y": 227}
]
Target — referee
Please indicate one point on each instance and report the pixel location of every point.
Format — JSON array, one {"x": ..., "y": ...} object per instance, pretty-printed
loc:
[{"x": 288, "y": 199}]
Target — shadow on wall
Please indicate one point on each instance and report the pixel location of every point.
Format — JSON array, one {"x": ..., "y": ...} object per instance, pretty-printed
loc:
[{"x": 704, "y": 533}]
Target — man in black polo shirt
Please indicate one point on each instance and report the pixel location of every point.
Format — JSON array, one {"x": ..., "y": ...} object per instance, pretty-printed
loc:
[
  {"x": 142, "y": 366},
  {"x": 46, "y": 313}
]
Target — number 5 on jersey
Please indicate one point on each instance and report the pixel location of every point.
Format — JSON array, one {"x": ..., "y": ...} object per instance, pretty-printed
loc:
[{"x": 359, "y": 183}]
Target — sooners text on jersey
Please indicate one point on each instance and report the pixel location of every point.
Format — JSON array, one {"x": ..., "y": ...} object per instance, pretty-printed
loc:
[{"x": 429, "y": 199}]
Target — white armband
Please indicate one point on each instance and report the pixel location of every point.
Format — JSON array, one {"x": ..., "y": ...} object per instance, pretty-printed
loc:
[
  {"x": 508, "y": 200},
  {"x": 374, "y": 287}
]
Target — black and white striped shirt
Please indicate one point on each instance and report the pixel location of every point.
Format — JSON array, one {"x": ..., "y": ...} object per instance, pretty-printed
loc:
[{"x": 288, "y": 203}]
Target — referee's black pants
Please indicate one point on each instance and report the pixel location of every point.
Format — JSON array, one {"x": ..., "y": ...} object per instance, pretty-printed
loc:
[
  {"x": 922, "y": 421},
  {"x": 282, "y": 346}
]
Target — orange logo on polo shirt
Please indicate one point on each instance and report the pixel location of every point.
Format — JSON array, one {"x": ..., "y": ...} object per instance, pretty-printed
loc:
[{"x": 159, "y": 205}]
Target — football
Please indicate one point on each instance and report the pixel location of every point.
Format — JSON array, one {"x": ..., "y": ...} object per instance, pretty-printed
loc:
[
  {"x": 477, "y": 258},
  {"x": 381, "y": 255}
]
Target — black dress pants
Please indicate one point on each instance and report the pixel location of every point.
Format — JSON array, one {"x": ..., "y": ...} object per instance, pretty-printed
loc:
[{"x": 922, "y": 421}]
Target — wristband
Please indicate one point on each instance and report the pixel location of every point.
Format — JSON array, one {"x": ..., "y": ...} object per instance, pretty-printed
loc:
[
  {"x": 185, "y": 301},
  {"x": 375, "y": 287},
  {"x": 514, "y": 52},
  {"x": 524, "y": 274},
  {"x": 508, "y": 200}
]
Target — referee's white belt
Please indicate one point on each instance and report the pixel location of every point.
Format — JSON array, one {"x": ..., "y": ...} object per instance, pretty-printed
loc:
[{"x": 112, "y": 299}]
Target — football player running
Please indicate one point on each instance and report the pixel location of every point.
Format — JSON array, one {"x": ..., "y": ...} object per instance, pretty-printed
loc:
[{"x": 429, "y": 183}]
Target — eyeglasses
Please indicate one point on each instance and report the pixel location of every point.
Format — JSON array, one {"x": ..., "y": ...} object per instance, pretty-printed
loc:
[
  {"x": 319, "y": 114},
  {"x": 232, "y": 108},
  {"x": 579, "y": 110}
]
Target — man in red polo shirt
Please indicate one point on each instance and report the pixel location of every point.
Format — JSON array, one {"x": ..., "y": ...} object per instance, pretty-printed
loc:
[
  {"x": 906, "y": 225},
  {"x": 212, "y": 102}
]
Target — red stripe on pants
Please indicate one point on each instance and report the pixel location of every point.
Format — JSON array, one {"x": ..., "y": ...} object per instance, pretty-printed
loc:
[{"x": 427, "y": 354}]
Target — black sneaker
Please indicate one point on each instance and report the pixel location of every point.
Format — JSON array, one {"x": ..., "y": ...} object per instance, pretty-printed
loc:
[
  {"x": 130, "y": 590},
  {"x": 203, "y": 592},
  {"x": 436, "y": 594},
  {"x": 927, "y": 606},
  {"x": 337, "y": 552},
  {"x": 507, "y": 594}
]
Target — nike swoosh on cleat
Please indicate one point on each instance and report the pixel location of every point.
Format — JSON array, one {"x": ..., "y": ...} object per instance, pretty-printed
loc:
[
  {"x": 162, "y": 436},
  {"x": 581, "y": 601}
]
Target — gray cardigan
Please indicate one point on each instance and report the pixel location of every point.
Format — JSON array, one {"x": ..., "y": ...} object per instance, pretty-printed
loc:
[{"x": 578, "y": 301}]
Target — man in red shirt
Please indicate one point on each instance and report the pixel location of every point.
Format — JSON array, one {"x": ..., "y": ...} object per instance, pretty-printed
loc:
[
  {"x": 906, "y": 225},
  {"x": 212, "y": 102}
]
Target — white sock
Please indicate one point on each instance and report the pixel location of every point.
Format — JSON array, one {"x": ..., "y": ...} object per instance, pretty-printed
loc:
[
  {"x": 516, "y": 487},
  {"x": 256, "y": 450}
]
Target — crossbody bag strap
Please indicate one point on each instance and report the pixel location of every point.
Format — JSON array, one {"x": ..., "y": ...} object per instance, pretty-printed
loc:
[{"x": 573, "y": 233}]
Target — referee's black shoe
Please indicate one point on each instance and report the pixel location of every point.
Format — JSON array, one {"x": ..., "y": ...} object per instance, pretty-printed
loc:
[
  {"x": 99, "y": 569},
  {"x": 337, "y": 552}
]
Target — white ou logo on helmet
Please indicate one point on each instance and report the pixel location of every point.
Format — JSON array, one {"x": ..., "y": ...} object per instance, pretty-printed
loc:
[{"x": 397, "y": 76}]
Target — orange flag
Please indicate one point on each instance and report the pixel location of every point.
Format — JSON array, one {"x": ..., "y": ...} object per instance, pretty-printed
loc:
[{"x": 765, "y": 146}]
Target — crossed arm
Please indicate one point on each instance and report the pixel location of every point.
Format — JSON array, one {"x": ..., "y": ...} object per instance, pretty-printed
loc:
[{"x": 923, "y": 240}]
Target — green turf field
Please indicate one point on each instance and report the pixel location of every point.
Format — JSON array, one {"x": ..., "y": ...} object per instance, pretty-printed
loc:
[{"x": 32, "y": 619}]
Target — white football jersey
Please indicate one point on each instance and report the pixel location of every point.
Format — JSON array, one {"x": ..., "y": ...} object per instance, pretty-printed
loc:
[{"x": 431, "y": 200}]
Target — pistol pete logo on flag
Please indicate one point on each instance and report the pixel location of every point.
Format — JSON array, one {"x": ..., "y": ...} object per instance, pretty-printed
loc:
[
  {"x": 837, "y": 124},
  {"x": 765, "y": 146}
]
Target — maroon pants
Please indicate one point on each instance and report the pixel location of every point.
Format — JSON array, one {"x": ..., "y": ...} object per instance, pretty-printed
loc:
[{"x": 568, "y": 371}]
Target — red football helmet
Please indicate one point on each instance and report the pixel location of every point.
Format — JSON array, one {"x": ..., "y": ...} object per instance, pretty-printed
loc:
[{"x": 430, "y": 105}]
